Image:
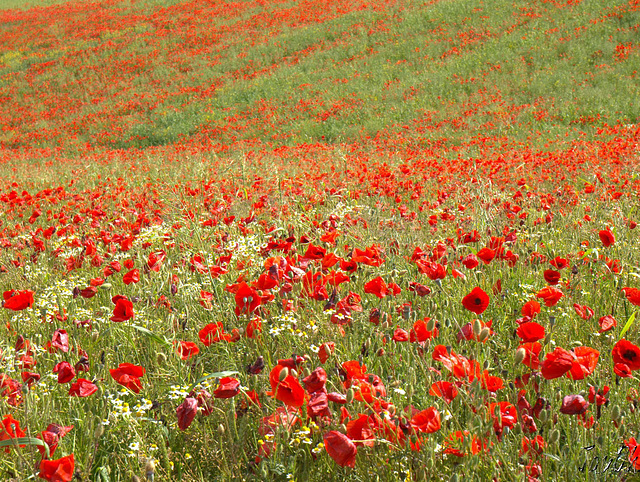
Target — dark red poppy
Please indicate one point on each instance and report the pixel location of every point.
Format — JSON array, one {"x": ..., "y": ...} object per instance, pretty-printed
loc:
[
  {"x": 559, "y": 263},
  {"x": 315, "y": 252},
  {"x": 551, "y": 276},
  {"x": 316, "y": 381},
  {"x": 228, "y": 387},
  {"x": 622, "y": 370},
  {"x": 186, "y": 412},
  {"x": 574, "y": 405},
  {"x": 318, "y": 404},
  {"x": 52, "y": 436},
  {"x": 557, "y": 363},
  {"x": 82, "y": 388},
  {"x": 477, "y": 301},
  {"x": 60, "y": 470},
  {"x": 626, "y": 352},
  {"x": 18, "y": 300},
  {"x": 340, "y": 448},
  {"x": 65, "y": 372},
  {"x": 128, "y": 375}
]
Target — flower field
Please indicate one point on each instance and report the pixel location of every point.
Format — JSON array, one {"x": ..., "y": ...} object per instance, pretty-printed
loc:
[{"x": 319, "y": 240}]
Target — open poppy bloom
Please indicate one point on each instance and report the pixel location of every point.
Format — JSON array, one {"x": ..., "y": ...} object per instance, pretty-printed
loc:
[
  {"x": 530, "y": 332},
  {"x": 586, "y": 360},
  {"x": 445, "y": 390},
  {"x": 626, "y": 353},
  {"x": 377, "y": 287},
  {"x": 247, "y": 299},
  {"x": 123, "y": 310},
  {"x": 633, "y": 295},
  {"x": 607, "y": 323},
  {"x": 426, "y": 421},
  {"x": 557, "y": 363},
  {"x": 288, "y": 390},
  {"x": 18, "y": 300},
  {"x": 10, "y": 428},
  {"x": 340, "y": 448},
  {"x": 477, "y": 301},
  {"x": 574, "y": 405},
  {"x": 228, "y": 388},
  {"x": 128, "y": 375},
  {"x": 187, "y": 349},
  {"x": 60, "y": 470},
  {"x": 550, "y": 295},
  {"x": 607, "y": 237},
  {"x": 82, "y": 388}
]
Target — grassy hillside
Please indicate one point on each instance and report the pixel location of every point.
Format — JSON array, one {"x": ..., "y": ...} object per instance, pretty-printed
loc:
[{"x": 134, "y": 74}]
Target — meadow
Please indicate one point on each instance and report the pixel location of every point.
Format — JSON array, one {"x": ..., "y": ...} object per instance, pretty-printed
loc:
[{"x": 312, "y": 240}]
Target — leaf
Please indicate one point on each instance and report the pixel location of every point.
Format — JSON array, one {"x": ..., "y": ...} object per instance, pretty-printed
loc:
[
  {"x": 628, "y": 324},
  {"x": 227, "y": 373},
  {"x": 160, "y": 339},
  {"x": 15, "y": 442}
]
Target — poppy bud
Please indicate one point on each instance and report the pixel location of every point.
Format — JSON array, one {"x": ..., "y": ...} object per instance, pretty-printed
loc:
[
  {"x": 221, "y": 429},
  {"x": 283, "y": 374},
  {"x": 554, "y": 436},
  {"x": 105, "y": 286},
  {"x": 380, "y": 352},
  {"x": 544, "y": 416},
  {"x": 454, "y": 477},
  {"x": 622, "y": 431},
  {"x": 519, "y": 357},
  {"x": 431, "y": 324},
  {"x": 484, "y": 334},
  {"x": 294, "y": 373},
  {"x": 350, "y": 395},
  {"x": 99, "y": 431},
  {"x": 615, "y": 412},
  {"x": 477, "y": 327}
]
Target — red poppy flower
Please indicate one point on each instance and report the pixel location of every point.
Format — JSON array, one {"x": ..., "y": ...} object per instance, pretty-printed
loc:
[
  {"x": 626, "y": 352},
  {"x": 530, "y": 331},
  {"x": 477, "y": 301},
  {"x": 607, "y": 237},
  {"x": 550, "y": 295},
  {"x": 531, "y": 308},
  {"x": 559, "y": 263},
  {"x": 52, "y": 436},
  {"x": 420, "y": 333},
  {"x": 132, "y": 276},
  {"x": 634, "y": 452},
  {"x": 466, "y": 332},
  {"x": 82, "y": 388},
  {"x": 128, "y": 375},
  {"x": 586, "y": 359},
  {"x": 551, "y": 276},
  {"x": 486, "y": 255},
  {"x": 60, "y": 340},
  {"x": 557, "y": 363},
  {"x": 186, "y": 412},
  {"x": 454, "y": 444},
  {"x": 315, "y": 252},
  {"x": 318, "y": 405},
  {"x": 227, "y": 388},
  {"x": 10, "y": 428},
  {"x": 316, "y": 381},
  {"x": 470, "y": 261},
  {"x": 254, "y": 328},
  {"x": 607, "y": 323},
  {"x": 574, "y": 405},
  {"x": 18, "y": 300},
  {"x": 633, "y": 295},
  {"x": 360, "y": 429},
  {"x": 340, "y": 448},
  {"x": 247, "y": 299},
  {"x": 123, "y": 310},
  {"x": 445, "y": 390},
  {"x": 622, "y": 370},
  {"x": 427, "y": 421},
  {"x": 65, "y": 372},
  {"x": 156, "y": 260},
  {"x": 288, "y": 390},
  {"x": 400, "y": 335},
  {"x": 377, "y": 287},
  {"x": 187, "y": 349},
  {"x": 211, "y": 333},
  {"x": 583, "y": 311},
  {"x": 60, "y": 470},
  {"x": 325, "y": 350}
]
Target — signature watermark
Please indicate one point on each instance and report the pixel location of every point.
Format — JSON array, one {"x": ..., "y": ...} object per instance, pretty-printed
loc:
[{"x": 625, "y": 460}]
